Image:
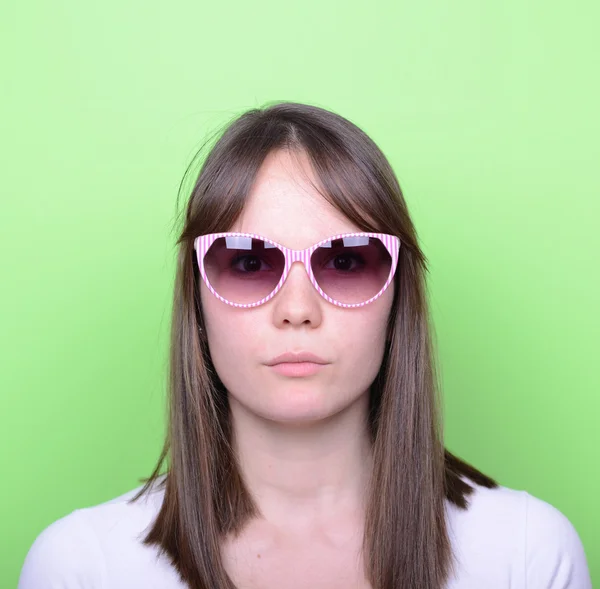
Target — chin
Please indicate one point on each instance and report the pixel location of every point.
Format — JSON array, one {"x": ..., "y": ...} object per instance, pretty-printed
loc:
[
  {"x": 297, "y": 406},
  {"x": 299, "y": 419}
]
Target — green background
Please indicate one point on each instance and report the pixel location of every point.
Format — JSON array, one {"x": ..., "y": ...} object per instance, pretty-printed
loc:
[{"x": 488, "y": 112}]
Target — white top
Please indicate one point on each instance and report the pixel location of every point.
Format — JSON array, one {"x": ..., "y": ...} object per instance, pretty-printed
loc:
[{"x": 507, "y": 539}]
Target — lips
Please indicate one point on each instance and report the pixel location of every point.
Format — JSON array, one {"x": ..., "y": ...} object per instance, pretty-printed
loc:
[{"x": 296, "y": 357}]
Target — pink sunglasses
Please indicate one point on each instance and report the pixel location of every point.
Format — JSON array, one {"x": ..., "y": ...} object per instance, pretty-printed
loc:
[{"x": 348, "y": 270}]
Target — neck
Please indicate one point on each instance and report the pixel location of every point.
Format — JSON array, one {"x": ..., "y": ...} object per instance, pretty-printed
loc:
[{"x": 305, "y": 473}]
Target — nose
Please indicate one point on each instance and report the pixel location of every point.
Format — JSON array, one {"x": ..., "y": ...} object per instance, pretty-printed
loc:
[{"x": 298, "y": 302}]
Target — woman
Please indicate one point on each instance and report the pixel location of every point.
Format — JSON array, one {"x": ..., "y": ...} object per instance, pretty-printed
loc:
[{"x": 305, "y": 442}]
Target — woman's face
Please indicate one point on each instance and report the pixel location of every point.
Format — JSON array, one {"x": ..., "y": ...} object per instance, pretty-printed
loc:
[{"x": 285, "y": 208}]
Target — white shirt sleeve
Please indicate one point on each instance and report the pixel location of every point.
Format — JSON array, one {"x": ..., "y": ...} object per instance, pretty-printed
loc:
[
  {"x": 554, "y": 553},
  {"x": 65, "y": 555}
]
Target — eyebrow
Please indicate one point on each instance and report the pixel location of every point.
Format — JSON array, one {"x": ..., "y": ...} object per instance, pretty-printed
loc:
[{"x": 241, "y": 241}]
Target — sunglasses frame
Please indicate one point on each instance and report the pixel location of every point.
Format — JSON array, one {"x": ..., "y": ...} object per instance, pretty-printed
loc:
[{"x": 202, "y": 244}]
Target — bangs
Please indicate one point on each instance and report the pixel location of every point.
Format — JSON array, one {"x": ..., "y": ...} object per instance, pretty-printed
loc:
[{"x": 351, "y": 173}]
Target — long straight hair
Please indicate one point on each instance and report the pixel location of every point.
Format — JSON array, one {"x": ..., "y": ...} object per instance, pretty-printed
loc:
[{"x": 406, "y": 543}]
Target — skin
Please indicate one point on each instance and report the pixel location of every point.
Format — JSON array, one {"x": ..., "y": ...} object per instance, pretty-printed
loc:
[{"x": 302, "y": 442}]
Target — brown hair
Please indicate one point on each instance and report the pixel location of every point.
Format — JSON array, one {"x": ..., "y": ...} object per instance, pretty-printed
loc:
[{"x": 406, "y": 543}]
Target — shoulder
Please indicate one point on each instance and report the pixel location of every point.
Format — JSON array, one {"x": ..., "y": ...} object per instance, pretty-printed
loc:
[
  {"x": 517, "y": 538},
  {"x": 555, "y": 553},
  {"x": 79, "y": 549},
  {"x": 63, "y": 555}
]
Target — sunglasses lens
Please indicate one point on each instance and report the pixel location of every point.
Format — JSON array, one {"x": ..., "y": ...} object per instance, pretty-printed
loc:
[
  {"x": 351, "y": 270},
  {"x": 243, "y": 270}
]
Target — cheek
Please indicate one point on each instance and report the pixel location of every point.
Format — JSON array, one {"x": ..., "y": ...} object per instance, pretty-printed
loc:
[
  {"x": 362, "y": 342},
  {"x": 232, "y": 337},
  {"x": 379, "y": 330}
]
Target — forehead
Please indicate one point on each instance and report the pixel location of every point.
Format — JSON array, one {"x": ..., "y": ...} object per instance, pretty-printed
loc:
[{"x": 283, "y": 205}]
